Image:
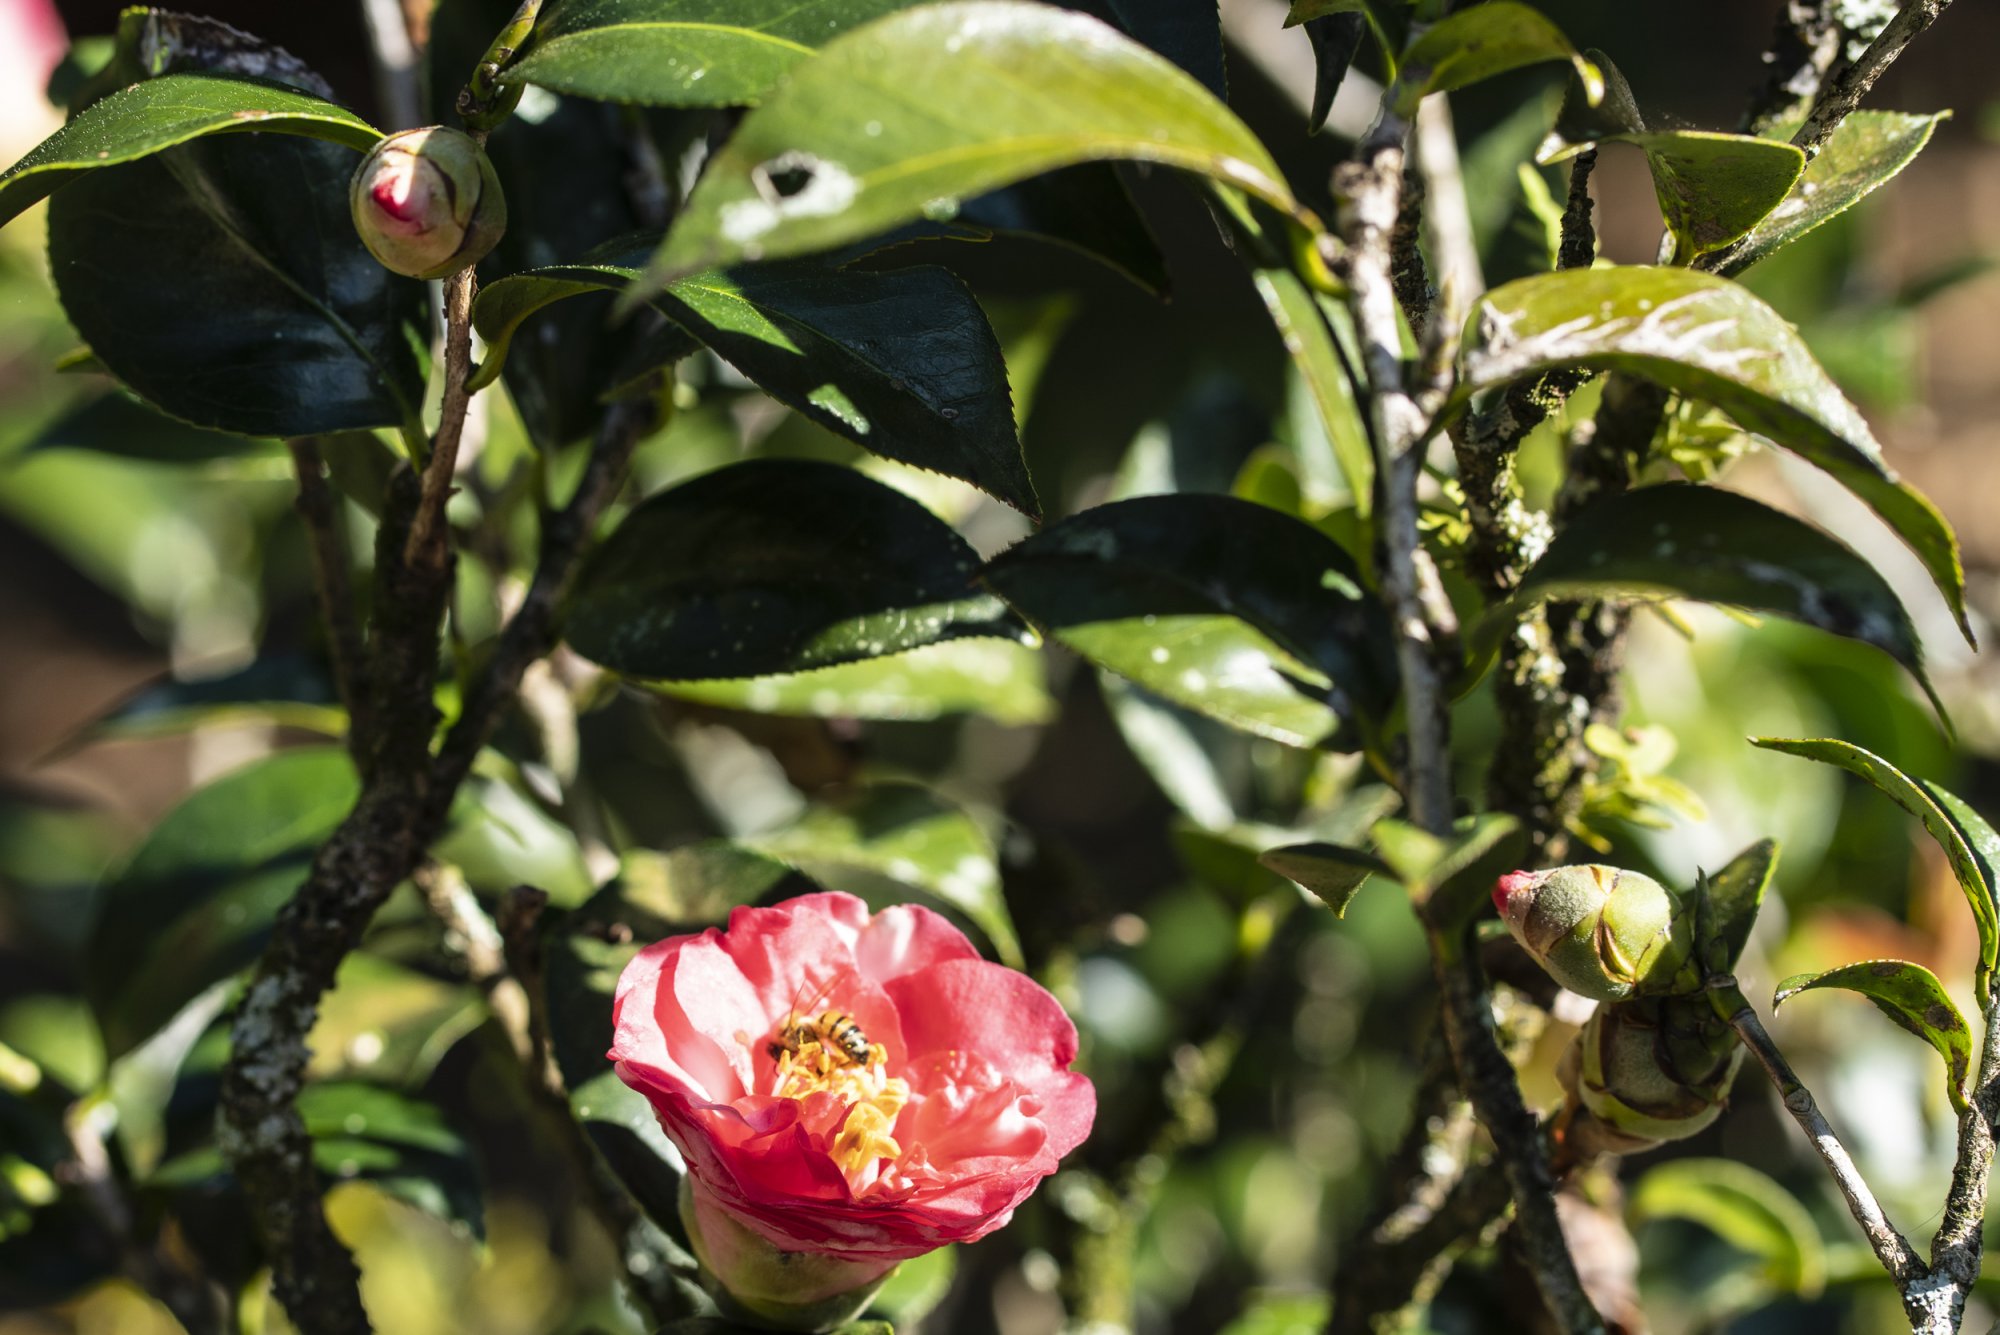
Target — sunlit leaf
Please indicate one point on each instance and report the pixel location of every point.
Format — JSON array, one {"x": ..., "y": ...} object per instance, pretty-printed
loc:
[
  {"x": 1970, "y": 844},
  {"x": 681, "y": 53},
  {"x": 140, "y": 121},
  {"x": 1330, "y": 871},
  {"x": 910, "y": 115},
  {"x": 1478, "y": 43},
  {"x": 1710, "y": 339},
  {"x": 1730, "y": 900},
  {"x": 1910, "y": 995},
  {"x": 1866, "y": 150}
]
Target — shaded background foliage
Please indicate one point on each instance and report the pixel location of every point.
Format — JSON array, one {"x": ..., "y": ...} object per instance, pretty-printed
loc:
[{"x": 141, "y": 589}]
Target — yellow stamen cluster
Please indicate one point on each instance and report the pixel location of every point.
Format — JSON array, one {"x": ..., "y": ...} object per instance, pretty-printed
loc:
[{"x": 875, "y": 1098}]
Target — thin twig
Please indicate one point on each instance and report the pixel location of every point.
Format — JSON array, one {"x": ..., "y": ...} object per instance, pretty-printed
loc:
[
  {"x": 1957, "y": 1248},
  {"x": 1841, "y": 96},
  {"x": 428, "y": 532},
  {"x": 1898, "y": 1257},
  {"x": 332, "y": 579},
  {"x": 1804, "y": 44},
  {"x": 1448, "y": 215},
  {"x": 1371, "y": 185},
  {"x": 401, "y": 810}
]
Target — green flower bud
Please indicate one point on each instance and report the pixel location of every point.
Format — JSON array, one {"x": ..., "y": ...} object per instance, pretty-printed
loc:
[
  {"x": 426, "y": 202},
  {"x": 1601, "y": 932},
  {"x": 1647, "y": 1071},
  {"x": 755, "y": 1280}
]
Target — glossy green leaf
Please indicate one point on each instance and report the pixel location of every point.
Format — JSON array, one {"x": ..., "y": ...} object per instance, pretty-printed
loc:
[
  {"x": 1305, "y": 11},
  {"x": 1476, "y": 44},
  {"x": 196, "y": 902},
  {"x": 1709, "y": 339},
  {"x": 1085, "y": 209},
  {"x": 1746, "y": 1209},
  {"x": 910, "y": 835},
  {"x": 1714, "y": 188},
  {"x": 1330, "y": 871},
  {"x": 120, "y": 425},
  {"x": 1303, "y": 327},
  {"x": 1910, "y": 995},
  {"x": 140, "y": 121},
  {"x": 233, "y": 305},
  {"x": 908, "y": 116},
  {"x": 901, "y": 362},
  {"x": 352, "y": 1108},
  {"x": 1969, "y": 843},
  {"x": 699, "y": 883},
  {"x": 1729, "y": 904},
  {"x": 1680, "y": 540},
  {"x": 1583, "y": 120},
  {"x": 1866, "y": 150},
  {"x": 1001, "y": 679},
  {"x": 1228, "y": 608},
  {"x": 775, "y": 566},
  {"x": 681, "y": 53}
]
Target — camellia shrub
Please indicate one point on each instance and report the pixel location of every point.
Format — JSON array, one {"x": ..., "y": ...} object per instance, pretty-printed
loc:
[{"x": 671, "y": 813}]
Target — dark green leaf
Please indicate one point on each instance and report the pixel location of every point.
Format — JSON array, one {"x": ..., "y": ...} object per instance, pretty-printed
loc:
[
  {"x": 1680, "y": 540},
  {"x": 657, "y": 893},
  {"x": 1476, "y": 44},
  {"x": 1438, "y": 870},
  {"x": 1971, "y": 848},
  {"x": 1746, "y": 1209},
  {"x": 1336, "y": 38},
  {"x": 1910, "y": 995},
  {"x": 140, "y": 121},
  {"x": 1086, "y": 209},
  {"x": 1187, "y": 32},
  {"x": 196, "y": 902},
  {"x": 922, "y": 110},
  {"x": 776, "y": 566},
  {"x": 681, "y": 53},
  {"x": 1866, "y": 150},
  {"x": 1303, "y": 327},
  {"x": 118, "y": 424},
  {"x": 1730, "y": 900},
  {"x": 1713, "y": 188},
  {"x": 1328, "y": 870},
  {"x": 1226, "y": 607},
  {"x": 1001, "y": 679},
  {"x": 233, "y": 301},
  {"x": 1305, "y": 11},
  {"x": 908, "y": 834},
  {"x": 902, "y": 362},
  {"x": 1710, "y": 339}
]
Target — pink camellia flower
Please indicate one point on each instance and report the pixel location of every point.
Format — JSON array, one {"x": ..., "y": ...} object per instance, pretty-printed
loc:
[{"x": 857, "y": 1089}]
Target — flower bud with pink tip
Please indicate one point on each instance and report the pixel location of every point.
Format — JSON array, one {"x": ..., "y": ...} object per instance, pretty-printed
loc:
[
  {"x": 426, "y": 202},
  {"x": 1602, "y": 932}
]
